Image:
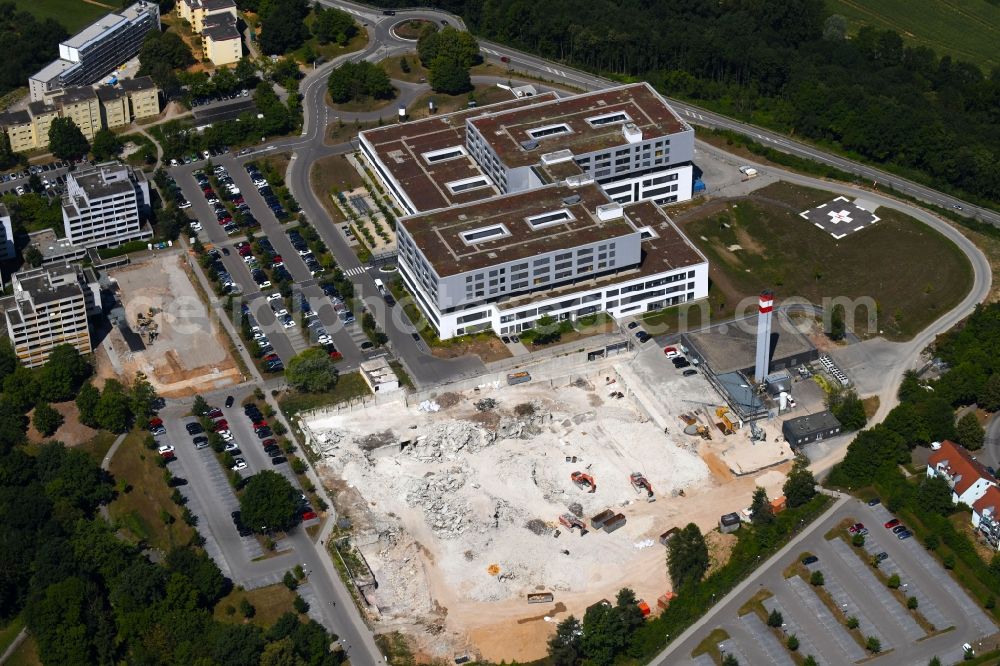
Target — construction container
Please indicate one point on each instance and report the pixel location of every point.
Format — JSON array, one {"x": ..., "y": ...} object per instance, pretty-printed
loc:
[
  {"x": 668, "y": 535},
  {"x": 518, "y": 378},
  {"x": 665, "y": 600},
  {"x": 778, "y": 504},
  {"x": 597, "y": 522},
  {"x": 540, "y": 597},
  {"x": 614, "y": 523},
  {"x": 729, "y": 523},
  {"x": 644, "y": 608}
]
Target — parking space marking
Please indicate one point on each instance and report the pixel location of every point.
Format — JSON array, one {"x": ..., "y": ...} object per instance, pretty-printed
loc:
[
  {"x": 792, "y": 626},
  {"x": 928, "y": 607},
  {"x": 848, "y": 604},
  {"x": 730, "y": 646},
  {"x": 834, "y": 628},
  {"x": 765, "y": 640},
  {"x": 890, "y": 604}
]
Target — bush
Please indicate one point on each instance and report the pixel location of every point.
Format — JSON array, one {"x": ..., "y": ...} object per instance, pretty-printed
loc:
[
  {"x": 775, "y": 619},
  {"x": 858, "y": 540},
  {"x": 873, "y": 645},
  {"x": 289, "y": 580},
  {"x": 852, "y": 622},
  {"x": 793, "y": 643},
  {"x": 816, "y": 578},
  {"x": 948, "y": 561},
  {"x": 912, "y": 603},
  {"x": 247, "y": 609},
  {"x": 300, "y": 604},
  {"x": 893, "y": 582}
]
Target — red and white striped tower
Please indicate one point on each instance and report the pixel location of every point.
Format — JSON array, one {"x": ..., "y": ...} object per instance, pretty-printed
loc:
[{"x": 766, "y": 304}]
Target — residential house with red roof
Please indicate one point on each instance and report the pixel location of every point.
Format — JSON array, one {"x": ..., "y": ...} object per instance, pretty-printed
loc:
[{"x": 969, "y": 480}]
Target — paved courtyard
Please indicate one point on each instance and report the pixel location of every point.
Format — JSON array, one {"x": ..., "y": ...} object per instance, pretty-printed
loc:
[{"x": 840, "y": 217}]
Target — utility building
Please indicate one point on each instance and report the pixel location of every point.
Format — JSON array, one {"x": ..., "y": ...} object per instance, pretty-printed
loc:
[{"x": 810, "y": 428}]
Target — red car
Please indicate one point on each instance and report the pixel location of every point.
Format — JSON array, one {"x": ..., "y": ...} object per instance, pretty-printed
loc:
[
  {"x": 336, "y": 355},
  {"x": 892, "y": 523},
  {"x": 260, "y": 424},
  {"x": 214, "y": 413},
  {"x": 309, "y": 515},
  {"x": 220, "y": 425},
  {"x": 242, "y": 244},
  {"x": 269, "y": 442},
  {"x": 245, "y": 251},
  {"x": 155, "y": 421}
]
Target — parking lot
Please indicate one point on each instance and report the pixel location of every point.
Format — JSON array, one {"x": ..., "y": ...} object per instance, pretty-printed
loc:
[
  {"x": 856, "y": 591},
  {"x": 52, "y": 175},
  {"x": 286, "y": 342}
]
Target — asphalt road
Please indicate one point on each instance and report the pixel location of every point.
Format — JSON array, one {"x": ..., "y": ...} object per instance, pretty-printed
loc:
[{"x": 849, "y": 581}]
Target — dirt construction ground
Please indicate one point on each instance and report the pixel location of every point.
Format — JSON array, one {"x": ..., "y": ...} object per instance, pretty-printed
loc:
[
  {"x": 190, "y": 353},
  {"x": 456, "y": 510}
]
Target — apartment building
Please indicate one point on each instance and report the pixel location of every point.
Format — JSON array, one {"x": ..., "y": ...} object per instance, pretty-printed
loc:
[
  {"x": 96, "y": 51},
  {"x": 49, "y": 307},
  {"x": 104, "y": 205},
  {"x": 7, "y": 249},
  {"x": 80, "y": 104},
  {"x": 563, "y": 251},
  {"x": 221, "y": 39},
  {"x": 91, "y": 109},
  {"x": 986, "y": 516},
  {"x": 968, "y": 478},
  {"x": 197, "y": 12}
]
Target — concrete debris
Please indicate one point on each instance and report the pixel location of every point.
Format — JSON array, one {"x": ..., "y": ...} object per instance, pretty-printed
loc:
[
  {"x": 576, "y": 509},
  {"x": 486, "y": 404},
  {"x": 446, "y": 514},
  {"x": 537, "y": 526},
  {"x": 645, "y": 543},
  {"x": 376, "y": 440},
  {"x": 429, "y": 406}
]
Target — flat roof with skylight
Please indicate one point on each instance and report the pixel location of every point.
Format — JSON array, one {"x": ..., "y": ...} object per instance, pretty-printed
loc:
[
  {"x": 428, "y": 159},
  {"x": 581, "y": 124}
]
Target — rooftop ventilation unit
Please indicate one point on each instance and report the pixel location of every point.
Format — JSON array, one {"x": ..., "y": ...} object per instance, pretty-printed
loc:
[
  {"x": 579, "y": 180},
  {"x": 557, "y": 157},
  {"x": 572, "y": 199},
  {"x": 529, "y": 144},
  {"x": 609, "y": 211},
  {"x": 632, "y": 132}
]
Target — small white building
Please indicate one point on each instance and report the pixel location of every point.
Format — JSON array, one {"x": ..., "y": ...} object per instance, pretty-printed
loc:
[{"x": 379, "y": 375}]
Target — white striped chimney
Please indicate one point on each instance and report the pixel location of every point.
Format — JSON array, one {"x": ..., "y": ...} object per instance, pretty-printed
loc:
[{"x": 766, "y": 305}]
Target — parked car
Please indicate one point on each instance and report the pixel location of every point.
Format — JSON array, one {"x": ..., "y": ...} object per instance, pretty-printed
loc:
[
  {"x": 810, "y": 559},
  {"x": 277, "y": 460},
  {"x": 892, "y": 523}
]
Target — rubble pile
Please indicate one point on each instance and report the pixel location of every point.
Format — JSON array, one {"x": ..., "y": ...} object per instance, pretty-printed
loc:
[{"x": 447, "y": 515}]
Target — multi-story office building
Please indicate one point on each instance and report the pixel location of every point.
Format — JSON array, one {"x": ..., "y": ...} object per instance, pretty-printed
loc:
[
  {"x": 197, "y": 12},
  {"x": 627, "y": 138},
  {"x": 104, "y": 205},
  {"x": 97, "y": 50},
  {"x": 7, "y": 249},
  {"x": 541, "y": 206},
  {"x": 221, "y": 39},
  {"x": 91, "y": 109},
  {"x": 562, "y": 251},
  {"x": 49, "y": 307}
]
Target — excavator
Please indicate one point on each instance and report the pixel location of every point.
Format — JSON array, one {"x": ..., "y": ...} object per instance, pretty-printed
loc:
[
  {"x": 584, "y": 481},
  {"x": 640, "y": 483},
  {"x": 569, "y": 521}
]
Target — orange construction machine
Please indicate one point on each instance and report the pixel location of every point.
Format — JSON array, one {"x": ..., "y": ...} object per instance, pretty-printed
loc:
[
  {"x": 640, "y": 483},
  {"x": 584, "y": 481},
  {"x": 569, "y": 521}
]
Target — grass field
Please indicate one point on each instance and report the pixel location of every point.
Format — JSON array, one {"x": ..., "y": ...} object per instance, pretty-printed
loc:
[
  {"x": 269, "y": 604},
  {"x": 26, "y": 655},
  {"x": 965, "y": 29},
  {"x": 349, "y": 387},
  {"x": 72, "y": 14},
  {"x": 141, "y": 510},
  {"x": 912, "y": 272}
]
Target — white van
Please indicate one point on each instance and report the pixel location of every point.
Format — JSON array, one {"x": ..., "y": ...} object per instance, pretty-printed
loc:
[{"x": 380, "y": 286}]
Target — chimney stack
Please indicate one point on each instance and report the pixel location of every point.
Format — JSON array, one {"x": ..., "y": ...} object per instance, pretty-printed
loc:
[{"x": 766, "y": 304}]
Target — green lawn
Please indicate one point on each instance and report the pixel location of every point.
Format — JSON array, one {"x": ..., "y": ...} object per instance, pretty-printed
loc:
[
  {"x": 965, "y": 29},
  {"x": 72, "y": 14},
  {"x": 911, "y": 272},
  {"x": 349, "y": 387},
  {"x": 269, "y": 603},
  {"x": 10, "y": 631}
]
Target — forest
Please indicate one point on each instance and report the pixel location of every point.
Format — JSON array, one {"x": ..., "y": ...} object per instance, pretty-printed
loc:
[{"x": 785, "y": 65}]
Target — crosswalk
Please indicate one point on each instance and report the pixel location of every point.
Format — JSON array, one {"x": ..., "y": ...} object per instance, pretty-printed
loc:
[{"x": 357, "y": 270}]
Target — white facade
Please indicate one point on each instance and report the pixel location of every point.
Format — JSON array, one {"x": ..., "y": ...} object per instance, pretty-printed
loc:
[
  {"x": 7, "y": 250},
  {"x": 103, "y": 204},
  {"x": 971, "y": 493}
]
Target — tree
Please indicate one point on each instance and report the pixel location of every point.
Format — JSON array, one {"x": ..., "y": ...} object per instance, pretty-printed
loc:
[
  {"x": 970, "y": 434},
  {"x": 66, "y": 141},
  {"x": 565, "y": 644},
  {"x": 852, "y": 622},
  {"x": 912, "y": 603},
  {"x": 775, "y": 619},
  {"x": 873, "y": 645},
  {"x": 311, "y": 371},
  {"x": 449, "y": 43},
  {"x": 800, "y": 486},
  {"x": 46, "y": 419},
  {"x": 290, "y": 581},
  {"x": 760, "y": 508},
  {"x": 281, "y": 26},
  {"x": 687, "y": 557},
  {"x": 8, "y": 359},
  {"x": 838, "y": 329},
  {"x": 816, "y": 579},
  {"x": 848, "y": 409},
  {"x": 809, "y": 661},
  {"x": 269, "y": 502},
  {"x": 603, "y": 634},
  {"x": 333, "y": 25},
  {"x": 729, "y": 659},
  {"x": 63, "y": 373},
  {"x": 201, "y": 571},
  {"x": 893, "y": 582},
  {"x": 106, "y": 145},
  {"x": 627, "y": 605},
  {"x": 858, "y": 540},
  {"x": 112, "y": 411},
  {"x": 35, "y": 183},
  {"x": 300, "y": 605},
  {"x": 449, "y": 77},
  {"x": 161, "y": 56},
  {"x": 8, "y": 158},
  {"x": 33, "y": 256},
  {"x": 281, "y": 653},
  {"x": 358, "y": 81},
  {"x": 989, "y": 398},
  {"x": 934, "y": 662},
  {"x": 200, "y": 406},
  {"x": 86, "y": 403},
  {"x": 20, "y": 388},
  {"x": 793, "y": 643},
  {"x": 142, "y": 397},
  {"x": 934, "y": 496}
]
